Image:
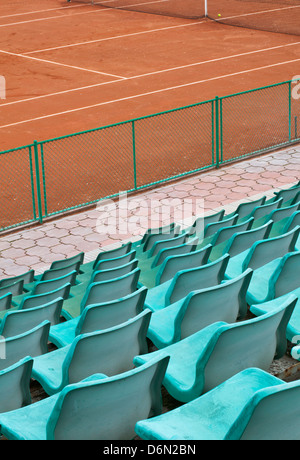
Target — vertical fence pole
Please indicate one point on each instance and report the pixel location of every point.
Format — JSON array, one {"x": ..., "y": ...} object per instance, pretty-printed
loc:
[
  {"x": 290, "y": 111},
  {"x": 38, "y": 186},
  {"x": 217, "y": 130},
  {"x": 134, "y": 154}
]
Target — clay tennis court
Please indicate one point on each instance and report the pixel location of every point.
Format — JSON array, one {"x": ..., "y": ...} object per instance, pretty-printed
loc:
[{"x": 71, "y": 67}]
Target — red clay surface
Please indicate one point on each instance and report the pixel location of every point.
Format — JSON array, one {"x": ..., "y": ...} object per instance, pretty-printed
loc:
[
  {"x": 71, "y": 67},
  {"x": 136, "y": 65}
]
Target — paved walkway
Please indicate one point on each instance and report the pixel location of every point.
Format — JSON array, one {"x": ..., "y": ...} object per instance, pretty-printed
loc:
[{"x": 106, "y": 226}]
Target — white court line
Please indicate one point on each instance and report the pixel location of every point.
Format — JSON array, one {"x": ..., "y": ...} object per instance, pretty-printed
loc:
[
  {"x": 151, "y": 73},
  {"x": 146, "y": 94},
  {"x": 258, "y": 12},
  {"x": 67, "y": 7},
  {"x": 115, "y": 37},
  {"x": 76, "y": 14},
  {"x": 63, "y": 65}
]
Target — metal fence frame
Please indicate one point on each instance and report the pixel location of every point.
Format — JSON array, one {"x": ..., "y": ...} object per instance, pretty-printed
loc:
[{"x": 216, "y": 112}]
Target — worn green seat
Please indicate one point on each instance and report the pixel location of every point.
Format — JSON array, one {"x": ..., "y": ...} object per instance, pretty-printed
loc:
[
  {"x": 112, "y": 273},
  {"x": 184, "y": 282},
  {"x": 26, "y": 277},
  {"x": 275, "y": 279},
  {"x": 88, "y": 267},
  {"x": 30, "y": 343},
  {"x": 245, "y": 208},
  {"x": 18, "y": 321},
  {"x": 15, "y": 385},
  {"x": 251, "y": 405},
  {"x": 98, "y": 317},
  {"x": 264, "y": 210},
  {"x": 207, "y": 358},
  {"x": 170, "y": 266},
  {"x": 15, "y": 288},
  {"x": 279, "y": 217},
  {"x": 52, "y": 274},
  {"x": 289, "y": 196},
  {"x": 211, "y": 229},
  {"x": 262, "y": 252},
  {"x": 151, "y": 267},
  {"x": 101, "y": 292},
  {"x": 293, "y": 326},
  {"x": 5, "y": 301},
  {"x": 200, "y": 222},
  {"x": 200, "y": 308},
  {"x": 240, "y": 241},
  {"x": 109, "y": 352},
  {"x": 221, "y": 237},
  {"x": 95, "y": 409}
]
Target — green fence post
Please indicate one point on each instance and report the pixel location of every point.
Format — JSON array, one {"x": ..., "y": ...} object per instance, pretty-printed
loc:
[
  {"x": 134, "y": 154},
  {"x": 38, "y": 186},
  {"x": 217, "y": 130},
  {"x": 290, "y": 111}
]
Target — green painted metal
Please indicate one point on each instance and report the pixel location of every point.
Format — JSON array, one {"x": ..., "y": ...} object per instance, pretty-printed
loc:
[{"x": 213, "y": 118}]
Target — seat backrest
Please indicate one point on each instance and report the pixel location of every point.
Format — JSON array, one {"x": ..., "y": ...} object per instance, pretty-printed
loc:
[
  {"x": 111, "y": 289},
  {"x": 283, "y": 213},
  {"x": 5, "y": 301},
  {"x": 186, "y": 281},
  {"x": 43, "y": 287},
  {"x": 167, "y": 243},
  {"x": 225, "y": 233},
  {"x": 245, "y": 209},
  {"x": 288, "y": 194},
  {"x": 251, "y": 343},
  {"x": 65, "y": 262},
  {"x": 108, "y": 352},
  {"x": 263, "y": 252},
  {"x": 265, "y": 209},
  {"x": 292, "y": 222},
  {"x": 112, "y": 273},
  {"x": 32, "y": 301},
  {"x": 153, "y": 238},
  {"x": 185, "y": 248},
  {"x": 241, "y": 241},
  {"x": 108, "y": 408},
  {"x": 54, "y": 273},
  {"x": 15, "y": 385},
  {"x": 18, "y": 321},
  {"x": 113, "y": 253},
  {"x": 26, "y": 277},
  {"x": 109, "y": 314},
  {"x": 212, "y": 228},
  {"x": 271, "y": 414},
  {"x": 107, "y": 264},
  {"x": 171, "y": 264},
  {"x": 30, "y": 343},
  {"x": 200, "y": 223},
  {"x": 224, "y": 302},
  {"x": 286, "y": 278},
  {"x": 14, "y": 288}
]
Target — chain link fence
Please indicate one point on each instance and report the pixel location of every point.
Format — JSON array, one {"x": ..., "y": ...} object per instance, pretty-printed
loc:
[{"x": 58, "y": 175}]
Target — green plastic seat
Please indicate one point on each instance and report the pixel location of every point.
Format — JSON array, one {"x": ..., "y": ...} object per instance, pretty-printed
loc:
[
  {"x": 262, "y": 252},
  {"x": 279, "y": 217},
  {"x": 19, "y": 321},
  {"x": 5, "y": 301},
  {"x": 30, "y": 343},
  {"x": 154, "y": 237},
  {"x": 212, "y": 228},
  {"x": 293, "y": 326},
  {"x": 111, "y": 273},
  {"x": 251, "y": 405},
  {"x": 221, "y": 237},
  {"x": 289, "y": 196},
  {"x": 103, "y": 291},
  {"x": 32, "y": 301},
  {"x": 224, "y": 302},
  {"x": 292, "y": 222},
  {"x": 263, "y": 210},
  {"x": 52, "y": 274},
  {"x": 168, "y": 269},
  {"x": 245, "y": 209},
  {"x": 146, "y": 258},
  {"x": 95, "y": 409},
  {"x": 184, "y": 282},
  {"x": 207, "y": 358},
  {"x": 240, "y": 241},
  {"x": 109, "y": 352},
  {"x": 98, "y": 317},
  {"x": 200, "y": 222},
  {"x": 87, "y": 267},
  {"x": 164, "y": 229},
  {"x": 275, "y": 279},
  {"x": 62, "y": 263},
  {"x": 27, "y": 277},
  {"x": 15, "y": 288},
  {"x": 15, "y": 385}
]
